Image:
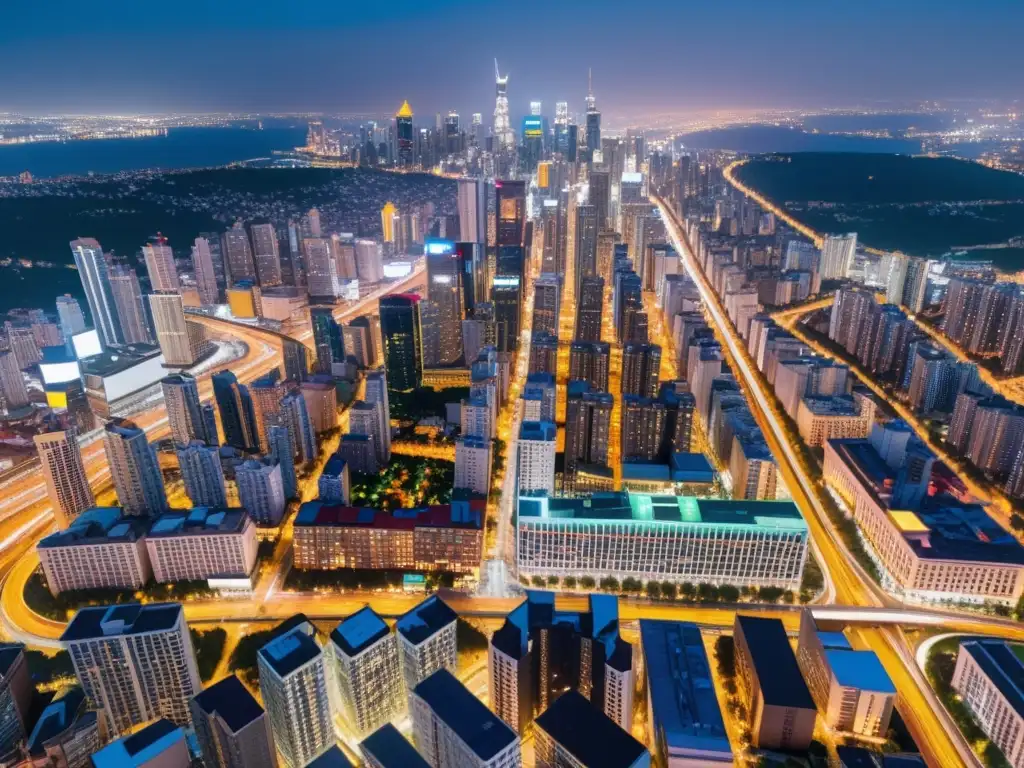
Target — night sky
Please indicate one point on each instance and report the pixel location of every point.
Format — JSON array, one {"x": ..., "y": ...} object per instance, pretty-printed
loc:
[{"x": 340, "y": 56}]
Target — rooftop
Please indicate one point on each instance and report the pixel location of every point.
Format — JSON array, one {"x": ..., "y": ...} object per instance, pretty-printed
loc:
[
  {"x": 98, "y": 525},
  {"x": 231, "y": 701},
  {"x": 139, "y": 748},
  {"x": 780, "y": 679},
  {"x": 458, "y": 514},
  {"x": 199, "y": 520},
  {"x": 359, "y": 631},
  {"x": 682, "y": 695},
  {"x": 859, "y": 669},
  {"x": 289, "y": 651},
  {"x": 478, "y": 727},
  {"x": 588, "y": 734},
  {"x": 334, "y": 466},
  {"x": 59, "y": 715},
  {"x": 836, "y": 405},
  {"x": 391, "y": 749},
  {"x": 128, "y": 619},
  {"x": 645, "y": 509},
  {"x": 423, "y": 621},
  {"x": 537, "y": 430},
  {"x": 110, "y": 362},
  {"x": 332, "y": 758}
]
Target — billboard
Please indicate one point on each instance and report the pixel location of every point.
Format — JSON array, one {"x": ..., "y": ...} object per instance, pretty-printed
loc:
[
  {"x": 145, "y": 373},
  {"x": 59, "y": 373},
  {"x": 438, "y": 247},
  {"x": 397, "y": 269},
  {"x": 86, "y": 344},
  {"x": 533, "y": 127}
]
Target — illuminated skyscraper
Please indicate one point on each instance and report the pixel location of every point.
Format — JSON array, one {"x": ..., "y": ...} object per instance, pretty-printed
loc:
[
  {"x": 593, "y": 120},
  {"x": 472, "y": 201},
  {"x": 131, "y": 313},
  {"x": 134, "y": 469},
  {"x": 206, "y": 276},
  {"x": 266, "y": 254},
  {"x": 66, "y": 481},
  {"x": 586, "y": 243},
  {"x": 452, "y": 134},
  {"x": 510, "y": 207},
  {"x": 237, "y": 416},
  {"x": 589, "y": 308},
  {"x": 184, "y": 411},
  {"x": 546, "y": 302},
  {"x": 328, "y": 340},
  {"x": 444, "y": 290},
  {"x": 387, "y": 221},
  {"x": 163, "y": 276},
  {"x": 181, "y": 342},
  {"x": 562, "y": 128},
  {"x": 238, "y": 254},
  {"x": 503, "y": 135},
  {"x": 93, "y": 271},
  {"x": 404, "y": 136},
  {"x": 400, "y": 333}
]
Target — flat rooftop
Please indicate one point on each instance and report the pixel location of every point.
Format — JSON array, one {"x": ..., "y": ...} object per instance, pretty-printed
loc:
[
  {"x": 391, "y": 749},
  {"x": 199, "y": 521},
  {"x": 859, "y": 669},
  {"x": 644, "y": 509},
  {"x": 588, "y": 734},
  {"x": 1002, "y": 666},
  {"x": 98, "y": 525},
  {"x": 231, "y": 701},
  {"x": 359, "y": 631},
  {"x": 141, "y": 747},
  {"x": 682, "y": 695},
  {"x": 780, "y": 679},
  {"x": 112, "y": 361},
  {"x": 479, "y": 728},
  {"x": 425, "y": 620},
  {"x": 129, "y": 619},
  {"x": 458, "y": 514},
  {"x": 286, "y": 653}
]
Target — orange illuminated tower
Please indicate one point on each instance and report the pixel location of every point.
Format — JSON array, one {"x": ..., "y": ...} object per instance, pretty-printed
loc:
[
  {"x": 387, "y": 221},
  {"x": 403, "y": 135}
]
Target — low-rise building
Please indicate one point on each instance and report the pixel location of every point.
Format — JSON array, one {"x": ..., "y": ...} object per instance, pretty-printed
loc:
[
  {"x": 202, "y": 543},
  {"x": 684, "y": 474},
  {"x": 989, "y": 677},
  {"x": 445, "y": 537},
  {"x": 673, "y": 538},
  {"x": 782, "y": 712},
  {"x": 685, "y": 728},
  {"x": 572, "y": 732},
  {"x": 851, "y": 688},
  {"x": 101, "y": 549}
]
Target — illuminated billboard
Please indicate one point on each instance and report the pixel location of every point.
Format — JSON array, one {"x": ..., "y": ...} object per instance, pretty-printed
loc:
[
  {"x": 632, "y": 178},
  {"x": 438, "y": 247},
  {"x": 396, "y": 269},
  {"x": 506, "y": 282},
  {"x": 533, "y": 127},
  {"x": 59, "y": 373},
  {"x": 86, "y": 344}
]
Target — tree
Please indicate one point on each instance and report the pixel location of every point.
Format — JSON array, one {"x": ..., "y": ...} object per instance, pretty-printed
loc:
[
  {"x": 788, "y": 597},
  {"x": 587, "y": 582},
  {"x": 707, "y": 593},
  {"x": 653, "y": 590},
  {"x": 769, "y": 594},
  {"x": 728, "y": 593},
  {"x": 552, "y": 581},
  {"x": 569, "y": 582},
  {"x": 668, "y": 589},
  {"x": 610, "y": 584},
  {"x": 688, "y": 590},
  {"x": 631, "y": 585},
  {"x": 725, "y": 653},
  {"x": 538, "y": 581}
]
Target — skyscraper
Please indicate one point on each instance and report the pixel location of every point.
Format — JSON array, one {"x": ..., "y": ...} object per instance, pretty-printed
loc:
[
  {"x": 295, "y": 417},
  {"x": 202, "y": 474},
  {"x": 266, "y": 254},
  {"x": 232, "y": 729},
  {"x": 128, "y": 305},
  {"x": 135, "y": 662},
  {"x": 546, "y": 304},
  {"x": 472, "y": 204},
  {"x": 535, "y": 457},
  {"x": 93, "y": 270},
  {"x": 473, "y": 465},
  {"x": 237, "y": 416},
  {"x": 328, "y": 341},
  {"x": 400, "y": 333},
  {"x": 475, "y": 283},
  {"x": 12, "y": 382},
  {"x": 159, "y": 258},
  {"x": 600, "y": 197},
  {"x": 587, "y": 428},
  {"x": 266, "y": 393},
  {"x": 504, "y": 137},
  {"x": 322, "y": 274},
  {"x": 643, "y": 428},
  {"x": 66, "y": 483},
  {"x": 281, "y": 453},
  {"x": 206, "y": 275},
  {"x": 837, "y": 253},
  {"x": 238, "y": 254},
  {"x": 444, "y": 291},
  {"x": 427, "y": 641},
  {"x": 510, "y": 212},
  {"x": 589, "y": 308},
  {"x": 377, "y": 392},
  {"x": 641, "y": 364},
  {"x": 184, "y": 411},
  {"x": 261, "y": 491},
  {"x": 589, "y": 362},
  {"x": 293, "y": 684},
  {"x": 404, "y": 136},
  {"x": 593, "y": 120},
  {"x": 367, "y": 672},
  {"x": 182, "y": 343},
  {"x": 134, "y": 469},
  {"x": 72, "y": 321},
  {"x": 586, "y": 243}
]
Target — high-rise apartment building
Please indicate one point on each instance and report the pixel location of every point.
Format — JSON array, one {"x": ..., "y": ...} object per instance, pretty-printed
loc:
[
  {"x": 546, "y": 304},
  {"x": 66, "y": 482},
  {"x": 182, "y": 342},
  {"x": 69, "y": 312},
  {"x": 203, "y": 474},
  {"x": 589, "y": 362},
  {"x": 128, "y": 305},
  {"x": 184, "y": 410},
  {"x": 237, "y": 415},
  {"x": 205, "y": 272},
  {"x": 535, "y": 456},
  {"x": 231, "y": 727},
  {"x": 837, "y": 254},
  {"x": 266, "y": 254},
  {"x": 159, "y": 258},
  {"x": 238, "y": 254},
  {"x": 589, "y": 308},
  {"x": 134, "y": 468},
  {"x": 587, "y": 427},
  {"x": 427, "y": 641},
  {"x": 400, "y": 333},
  {"x": 135, "y": 662},
  {"x": 12, "y": 382},
  {"x": 472, "y": 205},
  {"x": 641, "y": 364},
  {"x": 328, "y": 340},
  {"x": 473, "y": 465},
  {"x": 293, "y": 685},
  {"x": 445, "y": 292},
  {"x": 261, "y": 491},
  {"x": 367, "y": 672}
]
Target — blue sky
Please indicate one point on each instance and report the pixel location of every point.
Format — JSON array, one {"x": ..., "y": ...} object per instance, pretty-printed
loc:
[{"x": 672, "y": 55}]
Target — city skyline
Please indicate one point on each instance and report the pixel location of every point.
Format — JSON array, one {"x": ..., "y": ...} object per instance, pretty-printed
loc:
[{"x": 271, "y": 58}]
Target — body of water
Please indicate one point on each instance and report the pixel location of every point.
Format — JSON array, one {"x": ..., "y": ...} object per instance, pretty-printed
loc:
[
  {"x": 180, "y": 148},
  {"x": 758, "y": 139}
]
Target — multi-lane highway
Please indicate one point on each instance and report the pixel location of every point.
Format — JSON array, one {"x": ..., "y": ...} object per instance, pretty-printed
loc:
[{"x": 932, "y": 728}]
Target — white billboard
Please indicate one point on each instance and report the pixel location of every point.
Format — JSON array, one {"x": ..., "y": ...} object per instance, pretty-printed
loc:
[
  {"x": 59, "y": 373},
  {"x": 146, "y": 373},
  {"x": 86, "y": 344},
  {"x": 397, "y": 269}
]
